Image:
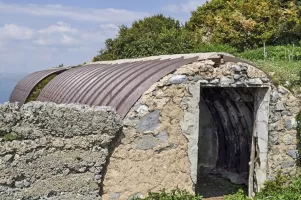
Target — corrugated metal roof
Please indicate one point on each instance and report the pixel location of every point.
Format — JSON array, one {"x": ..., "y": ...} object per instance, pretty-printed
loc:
[
  {"x": 116, "y": 84},
  {"x": 23, "y": 89}
]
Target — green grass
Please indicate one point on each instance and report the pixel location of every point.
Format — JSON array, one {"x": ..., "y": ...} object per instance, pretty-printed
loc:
[{"x": 281, "y": 63}]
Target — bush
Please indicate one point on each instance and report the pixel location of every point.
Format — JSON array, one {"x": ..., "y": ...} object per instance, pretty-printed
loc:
[
  {"x": 173, "y": 195},
  {"x": 279, "y": 189},
  {"x": 240, "y": 195},
  {"x": 207, "y": 47}
]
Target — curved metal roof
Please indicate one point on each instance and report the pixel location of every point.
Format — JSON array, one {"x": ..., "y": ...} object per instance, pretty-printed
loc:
[
  {"x": 23, "y": 89},
  {"x": 115, "y": 84}
]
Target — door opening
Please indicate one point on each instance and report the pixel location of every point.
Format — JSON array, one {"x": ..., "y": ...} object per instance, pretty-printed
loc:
[{"x": 226, "y": 129}]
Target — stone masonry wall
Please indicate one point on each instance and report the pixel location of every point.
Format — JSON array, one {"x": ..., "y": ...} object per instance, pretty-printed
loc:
[
  {"x": 159, "y": 146},
  {"x": 50, "y": 151},
  {"x": 283, "y": 153}
]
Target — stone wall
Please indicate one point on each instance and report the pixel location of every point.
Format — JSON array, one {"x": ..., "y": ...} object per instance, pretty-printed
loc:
[
  {"x": 50, "y": 151},
  {"x": 159, "y": 146},
  {"x": 283, "y": 153}
]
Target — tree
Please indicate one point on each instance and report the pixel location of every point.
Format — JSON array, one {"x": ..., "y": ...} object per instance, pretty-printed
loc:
[
  {"x": 154, "y": 35},
  {"x": 246, "y": 24}
]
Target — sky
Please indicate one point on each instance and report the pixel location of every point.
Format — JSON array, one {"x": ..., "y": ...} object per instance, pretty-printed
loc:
[{"x": 40, "y": 34}]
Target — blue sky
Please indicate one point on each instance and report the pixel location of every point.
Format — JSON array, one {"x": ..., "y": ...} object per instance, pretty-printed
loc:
[{"x": 40, "y": 34}]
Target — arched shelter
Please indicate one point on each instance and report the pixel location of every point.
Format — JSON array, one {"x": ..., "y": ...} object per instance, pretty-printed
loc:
[{"x": 186, "y": 115}]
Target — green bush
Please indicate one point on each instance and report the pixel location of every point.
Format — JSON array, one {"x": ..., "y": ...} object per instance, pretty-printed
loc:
[
  {"x": 240, "y": 195},
  {"x": 279, "y": 189},
  {"x": 173, "y": 195},
  {"x": 207, "y": 47}
]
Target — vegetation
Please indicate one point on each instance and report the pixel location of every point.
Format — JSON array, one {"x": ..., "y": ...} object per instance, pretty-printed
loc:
[
  {"x": 267, "y": 32},
  {"x": 173, "y": 195},
  {"x": 39, "y": 87},
  {"x": 280, "y": 189},
  {"x": 154, "y": 35},
  {"x": 248, "y": 24},
  {"x": 10, "y": 137}
]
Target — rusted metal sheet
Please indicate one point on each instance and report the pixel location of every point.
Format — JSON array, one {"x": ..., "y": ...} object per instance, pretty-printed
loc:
[
  {"x": 23, "y": 89},
  {"x": 116, "y": 85}
]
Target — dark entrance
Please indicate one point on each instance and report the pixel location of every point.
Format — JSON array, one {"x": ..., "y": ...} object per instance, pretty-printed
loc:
[{"x": 225, "y": 138}]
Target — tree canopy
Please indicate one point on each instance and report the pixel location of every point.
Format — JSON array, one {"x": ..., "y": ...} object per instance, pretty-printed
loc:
[
  {"x": 151, "y": 36},
  {"x": 241, "y": 24},
  {"x": 246, "y": 24}
]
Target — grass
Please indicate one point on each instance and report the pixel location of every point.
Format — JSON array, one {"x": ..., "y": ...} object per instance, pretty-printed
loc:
[{"x": 281, "y": 63}]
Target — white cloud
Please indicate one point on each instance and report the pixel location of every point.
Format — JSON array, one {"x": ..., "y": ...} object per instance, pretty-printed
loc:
[
  {"x": 64, "y": 34},
  {"x": 15, "y": 32},
  {"x": 185, "y": 7},
  {"x": 60, "y": 27},
  {"x": 74, "y": 13}
]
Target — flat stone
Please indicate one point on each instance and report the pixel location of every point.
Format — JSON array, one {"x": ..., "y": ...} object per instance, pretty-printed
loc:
[
  {"x": 147, "y": 142},
  {"x": 115, "y": 196},
  {"x": 163, "y": 136},
  {"x": 236, "y": 76},
  {"x": 287, "y": 113},
  {"x": 135, "y": 196},
  {"x": 275, "y": 96},
  {"x": 97, "y": 177},
  {"x": 149, "y": 122},
  {"x": 236, "y": 68},
  {"x": 280, "y": 106},
  {"x": 255, "y": 81},
  {"x": 240, "y": 83},
  {"x": 265, "y": 80},
  {"x": 197, "y": 78},
  {"x": 293, "y": 153},
  {"x": 273, "y": 138},
  {"x": 8, "y": 158},
  {"x": 178, "y": 79},
  {"x": 142, "y": 109},
  {"x": 276, "y": 116},
  {"x": 243, "y": 68},
  {"x": 289, "y": 124},
  {"x": 287, "y": 139},
  {"x": 226, "y": 81},
  {"x": 26, "y": 183},
  {"x": 288, "y": 164},
  {"x": 203, "y": 82},
  {"x": 282, "y": 90},
  {"x": 19, "y": 184},
  {"x": 214, "y": 81}
]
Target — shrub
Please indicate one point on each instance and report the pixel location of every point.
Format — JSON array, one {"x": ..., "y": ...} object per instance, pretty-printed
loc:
[
  {"x": 240, "y": 195},
  {"x": 207, "y": 47},
  {"x": 176, "y": 194},
  {"x": 279, "y": 189}
]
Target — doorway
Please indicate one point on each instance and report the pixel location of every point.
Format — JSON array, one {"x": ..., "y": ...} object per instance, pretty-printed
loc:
[{"x": 227, "y": 126}]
